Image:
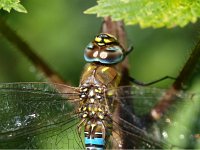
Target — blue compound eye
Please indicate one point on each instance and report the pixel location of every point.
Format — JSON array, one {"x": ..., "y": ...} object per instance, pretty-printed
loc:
[{"x": 114, "y": 48}]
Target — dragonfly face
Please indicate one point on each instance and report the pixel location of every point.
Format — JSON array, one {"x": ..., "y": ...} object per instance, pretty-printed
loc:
[
  {"x": 44, "y": 115},
  {"x": 105, "y": 49}
]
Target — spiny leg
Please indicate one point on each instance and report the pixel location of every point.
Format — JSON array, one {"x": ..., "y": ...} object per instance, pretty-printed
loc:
[{"x": 82, "y": 123}]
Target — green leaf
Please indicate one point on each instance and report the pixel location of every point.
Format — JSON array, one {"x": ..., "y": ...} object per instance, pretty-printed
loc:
[
  {"x": 146, "y": 13},
  {"x": 20, "y": 8},
  {"x": 7, "y": 5}
]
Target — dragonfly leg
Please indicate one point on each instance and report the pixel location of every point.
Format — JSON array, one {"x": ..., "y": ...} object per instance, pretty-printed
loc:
[
  {"x": 150, "y": 83},
  {"x": 82, "y": 123},
  {"x": 103, "y": 130}
]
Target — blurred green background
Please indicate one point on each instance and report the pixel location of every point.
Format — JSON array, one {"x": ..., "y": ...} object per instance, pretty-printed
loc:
[{"x": 58, "y": 31}]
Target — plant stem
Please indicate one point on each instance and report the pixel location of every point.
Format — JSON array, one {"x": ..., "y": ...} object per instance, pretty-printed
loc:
[
  {"x": 16, "y": 40},
  {"x": 185, "y": 75}
]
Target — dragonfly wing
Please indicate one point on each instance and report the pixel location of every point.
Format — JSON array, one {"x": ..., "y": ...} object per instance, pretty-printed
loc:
[
  {"x": 136, "y": 103},
  {"x": 35, "y": 115},
  {"x": 128, "y": 136}
]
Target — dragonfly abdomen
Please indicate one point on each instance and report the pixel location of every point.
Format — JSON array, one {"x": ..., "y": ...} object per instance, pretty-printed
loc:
[
  {"x": 94, "y": 135},
  {"x": 95, "y": 116}
]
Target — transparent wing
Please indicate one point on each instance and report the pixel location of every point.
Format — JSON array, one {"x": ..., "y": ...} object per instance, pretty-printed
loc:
[
  {"x": 38, "y": 115},
  {"x": 178, "y": 127},
  {"x": 129, "y": 136},
  {"x": 42, "y": 115}
]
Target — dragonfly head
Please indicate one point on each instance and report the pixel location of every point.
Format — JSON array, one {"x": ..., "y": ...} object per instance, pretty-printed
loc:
[
  {"x": 105, "y": 49},
  {"x": 104, "y": 39}
]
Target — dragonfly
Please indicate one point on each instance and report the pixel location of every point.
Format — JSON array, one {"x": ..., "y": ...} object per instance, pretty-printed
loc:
[{"x": 49, "y": 115}]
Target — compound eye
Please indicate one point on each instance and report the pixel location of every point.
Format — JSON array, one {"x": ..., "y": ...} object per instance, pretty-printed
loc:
[{"x": 114, "y": 49}]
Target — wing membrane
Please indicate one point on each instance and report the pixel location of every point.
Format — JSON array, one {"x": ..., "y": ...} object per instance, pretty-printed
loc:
[
  {"x": 176, "y": 127},
  {"x": 33, "y": 110},
  {"x": 43, "y": 115}
]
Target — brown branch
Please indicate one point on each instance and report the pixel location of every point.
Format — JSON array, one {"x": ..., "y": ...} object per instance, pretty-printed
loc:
[
  {"x": 185, "y": 75},
  {"x": 116, "y": 28},
  {"x": 16, "y": 40}
]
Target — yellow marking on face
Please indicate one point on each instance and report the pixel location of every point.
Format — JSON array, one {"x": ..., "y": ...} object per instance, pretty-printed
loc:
[
  {"x": 104, "y": 69},
  {"x": 97, "y": 39},
  {"x": 101, "y": 44},
  {"x": 108, "y": 40}
]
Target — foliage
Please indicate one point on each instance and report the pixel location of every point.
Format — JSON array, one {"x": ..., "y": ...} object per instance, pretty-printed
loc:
[
  {"x": 7, "y": 5},
  {"x": 156, "y": 13}
]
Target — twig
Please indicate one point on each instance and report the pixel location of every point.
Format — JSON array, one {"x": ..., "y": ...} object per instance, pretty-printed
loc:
[
  {"x": 185, "y": 75},
  {"x": 16, "y": 40},
  {"x": 116, "y": 28}
]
